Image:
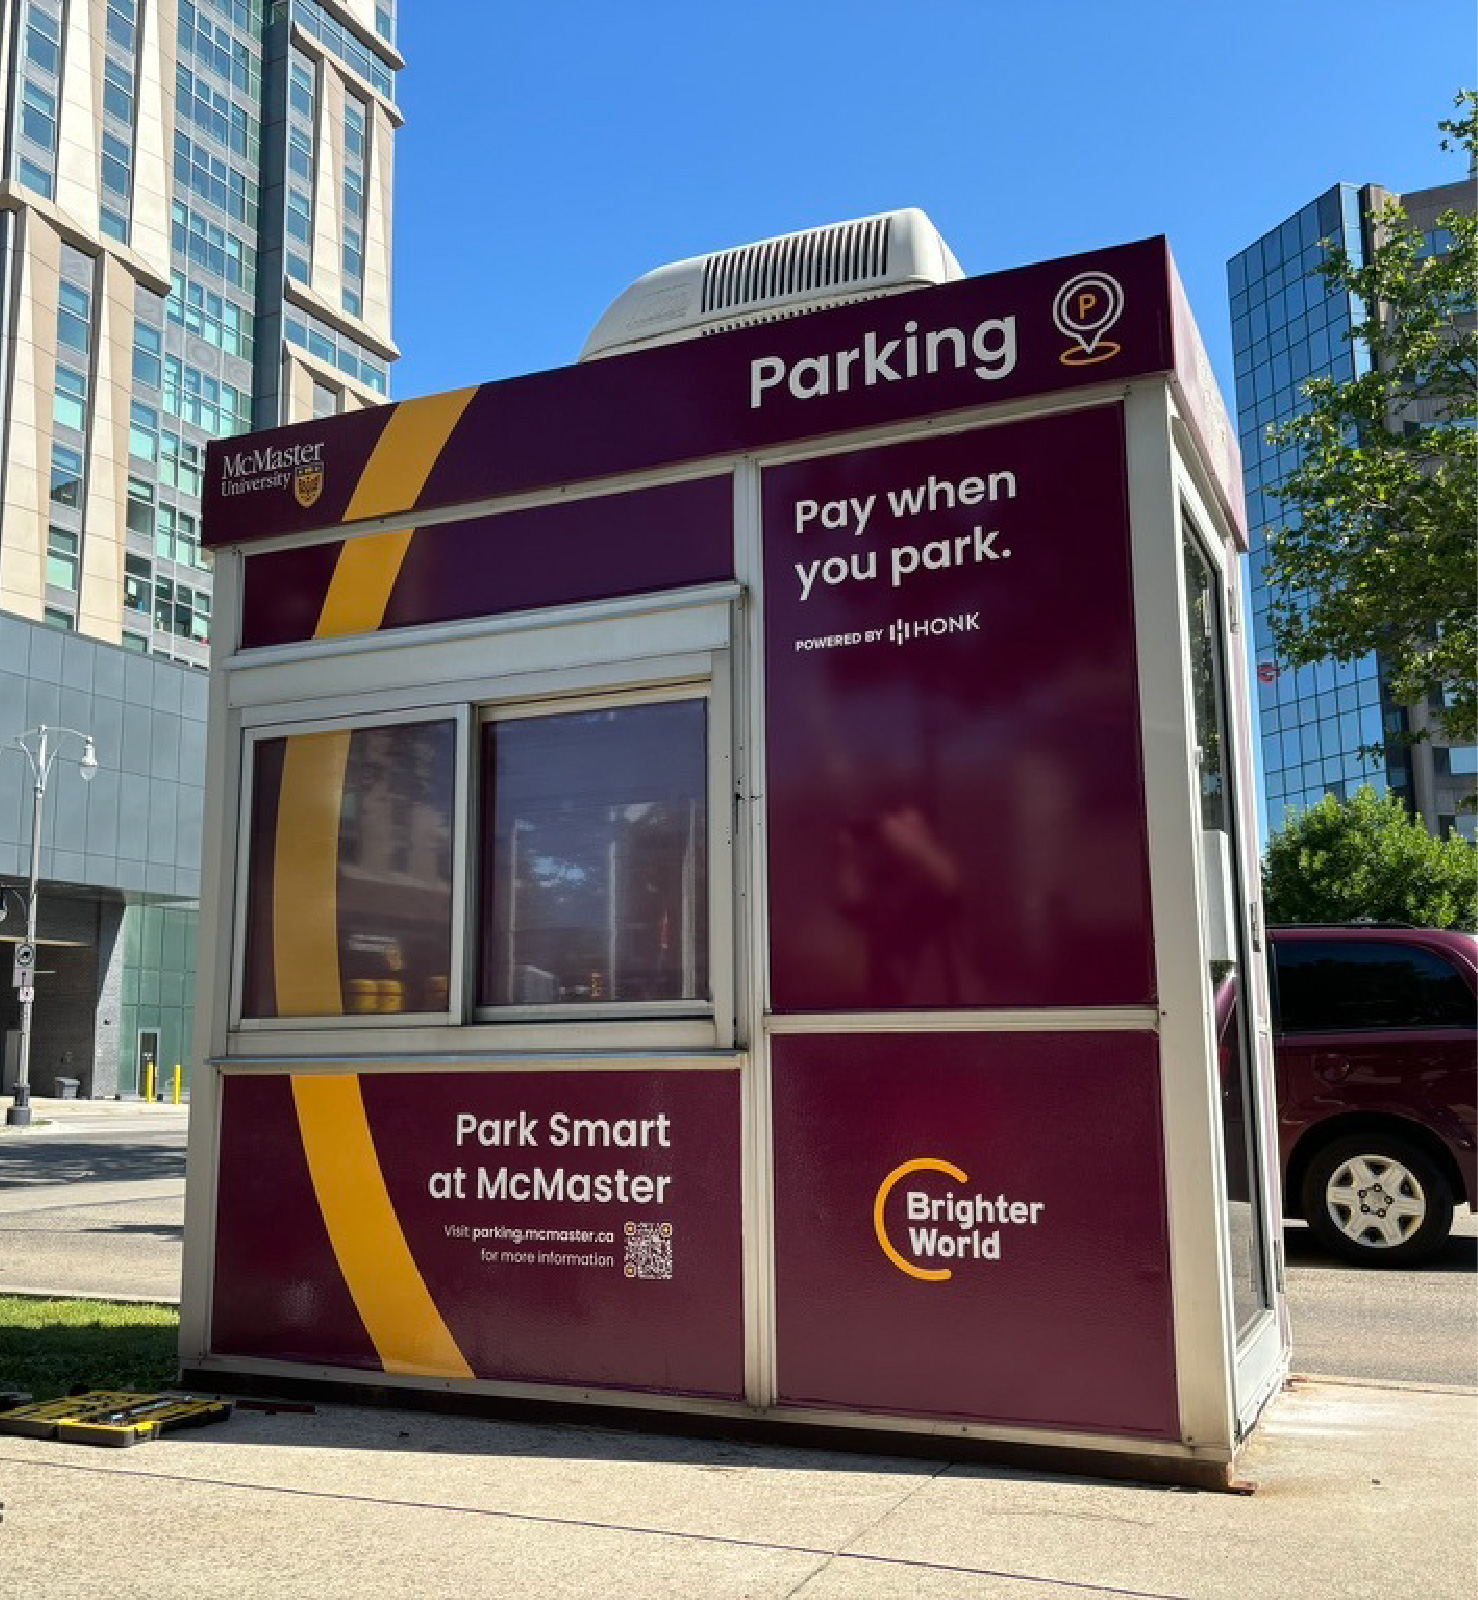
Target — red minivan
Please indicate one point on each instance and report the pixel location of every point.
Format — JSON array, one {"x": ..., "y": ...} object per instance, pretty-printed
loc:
[{"x": 1376, "y": 1050}]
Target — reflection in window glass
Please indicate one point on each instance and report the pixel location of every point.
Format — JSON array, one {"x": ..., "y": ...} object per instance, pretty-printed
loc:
[
  {"x": 349, "y": 907},
  {"x": 1338, "y": 987},
  {"x": 595, "y": 857},
  {"x": 1221, "y": 931}
]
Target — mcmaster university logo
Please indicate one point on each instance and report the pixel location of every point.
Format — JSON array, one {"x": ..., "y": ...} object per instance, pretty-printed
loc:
[
  {"x": 275, "y": 467},
  {"x": 308, "y": 484}
]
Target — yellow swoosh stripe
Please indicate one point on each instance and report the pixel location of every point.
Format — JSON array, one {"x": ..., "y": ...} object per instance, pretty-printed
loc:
[
  {"x": 392, "y": 481},
  {"x": 405, "y": 453},
  {"x": 305, "y": 876},
  {"x": 384, "y": 1281},
  {"x": 364, "y": 575}
]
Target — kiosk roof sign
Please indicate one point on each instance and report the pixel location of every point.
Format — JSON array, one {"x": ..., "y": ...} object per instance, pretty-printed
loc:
[{"x": 1041, "y": 329}]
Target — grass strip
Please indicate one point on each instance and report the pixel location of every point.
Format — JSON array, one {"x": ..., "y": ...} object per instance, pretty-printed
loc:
[{"x": 51, "y": 1347}]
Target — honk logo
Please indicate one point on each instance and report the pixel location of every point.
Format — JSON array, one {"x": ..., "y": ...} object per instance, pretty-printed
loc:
[
  {"x": 941, "y": 1224},
  {"x": 1085, "y": 309}
]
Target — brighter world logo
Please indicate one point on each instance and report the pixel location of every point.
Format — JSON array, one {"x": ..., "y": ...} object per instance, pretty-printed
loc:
[{"x": 948, "y": 1225}]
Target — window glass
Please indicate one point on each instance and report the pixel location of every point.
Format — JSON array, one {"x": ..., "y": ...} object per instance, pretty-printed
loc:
[
  {"x": 61, "y": 558},
  {"x": 66, "y": 475},
  {"x": 594, "y": 863},
  {"x": 143, "y": 431},
  {"x": 43, "y": 40},
  {"x": 74, "y": 318},
  {"x": 349, "y": 905},
  {"x": 138, "y": 584},
  {"x": 38, "y": 115},
  {"x": 1337, "y": 986},
  {"x": 69, "y": 402}
]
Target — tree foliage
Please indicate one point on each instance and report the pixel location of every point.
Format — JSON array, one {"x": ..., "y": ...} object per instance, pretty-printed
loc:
[
  {"x": 1380, "y": 551},
  {"x": 1341, "y": 861}
]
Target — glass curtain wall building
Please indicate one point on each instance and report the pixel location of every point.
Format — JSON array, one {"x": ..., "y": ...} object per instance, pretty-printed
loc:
[
  {"x": 194, "y": 240},
  {"x": 1331, "y": 727}
]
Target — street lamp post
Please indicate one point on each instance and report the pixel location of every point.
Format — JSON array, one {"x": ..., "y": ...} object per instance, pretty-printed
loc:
[{"x": 42, "y": 757}]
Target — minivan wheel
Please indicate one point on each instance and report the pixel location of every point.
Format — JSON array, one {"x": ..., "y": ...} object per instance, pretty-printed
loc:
[{"x": 1377, "y": 1200}]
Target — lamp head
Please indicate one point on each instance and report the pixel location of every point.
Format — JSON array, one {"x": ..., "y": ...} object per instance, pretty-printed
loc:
[{"x": 88, "y": 766}]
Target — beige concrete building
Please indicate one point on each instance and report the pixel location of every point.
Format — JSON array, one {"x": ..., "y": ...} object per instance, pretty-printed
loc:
[{"x": 195, "y": 239}]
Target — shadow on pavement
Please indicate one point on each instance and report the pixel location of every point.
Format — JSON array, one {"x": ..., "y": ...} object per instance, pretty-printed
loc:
[
  {"x": 154, "y": 1230},
  {"x": 31, "y": 1163},
  {"x": 1459, "y": 1254}
]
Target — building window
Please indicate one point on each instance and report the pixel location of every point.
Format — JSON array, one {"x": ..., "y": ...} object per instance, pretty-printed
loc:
[
  {"x": 181, "y": 610},
  {"x": 211, "y": 316},
  {"x": 62, "y": 561},
  {"x": 336, "y": 349},
  {"x": 74, "y": 319},
  {"x": 344, "y": 43},
  {"x": 118, "y": 90},
  {"x": 140, "y": 513},
  {"x": 122, "y": 23},
  {"x": 38, "y": 116},
  {"x": 66, "y": 475},
  {"x": 143, "y": 431},
  {"x": 148, "y": 344},
  {"x": 138, "y": 584},
  {"x": 137, "y": 642},
  {"x": 298, "y": 220},
  {"x": 55, "y": 617},
  {"x": 181, "y": 464},
  {"x": 69, "y": 402},
  {"x": 356, "y": 125},
  {"x": 44, "y": 40},
  {"x": 35, "y": 177},
  {"x": 325, "y": 400}
]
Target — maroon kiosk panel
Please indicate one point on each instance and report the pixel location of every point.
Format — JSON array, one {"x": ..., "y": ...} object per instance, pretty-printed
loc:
[
  {"x": 569, "y": 1227},
  {"x": 956, "y": 804},
  {"x": 973, "y": 1225}
]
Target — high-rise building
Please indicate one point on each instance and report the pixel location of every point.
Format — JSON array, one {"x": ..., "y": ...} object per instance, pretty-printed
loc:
[
  {"x": 195, "y": 208},
  {"x": 1320, "y": 723}
]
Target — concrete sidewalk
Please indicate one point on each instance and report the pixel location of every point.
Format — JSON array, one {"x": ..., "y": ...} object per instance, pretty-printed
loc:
[{"x": 1361, "y": 1490}]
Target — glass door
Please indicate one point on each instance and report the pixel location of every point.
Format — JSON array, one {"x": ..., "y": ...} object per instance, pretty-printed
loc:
[
  {"x": 147, "y": 1086},
  {"x": 1222, "y": 932}
]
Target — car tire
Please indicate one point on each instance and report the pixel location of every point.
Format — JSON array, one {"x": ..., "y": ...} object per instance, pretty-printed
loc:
[{"x": 1378, "y": 1200}]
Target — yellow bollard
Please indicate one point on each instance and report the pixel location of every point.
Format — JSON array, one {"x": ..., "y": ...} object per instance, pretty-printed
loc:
[
  {"x": 149, "y": 1082},
  {"x": 176, "y": 1083}
]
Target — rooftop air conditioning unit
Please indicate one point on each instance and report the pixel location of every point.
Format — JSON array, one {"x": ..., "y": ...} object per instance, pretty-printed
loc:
[{"x": 776, "y": 278}]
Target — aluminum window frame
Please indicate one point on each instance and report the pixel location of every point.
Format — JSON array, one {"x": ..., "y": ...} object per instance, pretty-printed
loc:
[
  {"x": 607, "y": 653},
  {"x": 251, "y": 738},
  {"x": 715, "y": 768}
]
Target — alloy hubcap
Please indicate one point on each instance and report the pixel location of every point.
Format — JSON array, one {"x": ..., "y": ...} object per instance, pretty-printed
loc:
[{"x": 1375, "y": 1201}]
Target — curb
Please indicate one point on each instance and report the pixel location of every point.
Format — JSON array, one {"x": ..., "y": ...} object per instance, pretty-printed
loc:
[{"x": 25, "y": 1292}]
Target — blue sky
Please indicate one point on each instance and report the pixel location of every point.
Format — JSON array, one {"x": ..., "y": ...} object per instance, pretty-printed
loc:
[{"x": 554, "y": 150}]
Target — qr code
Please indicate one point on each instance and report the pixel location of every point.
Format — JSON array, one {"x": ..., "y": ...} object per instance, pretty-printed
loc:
[{"x": 648, "y": 1249}]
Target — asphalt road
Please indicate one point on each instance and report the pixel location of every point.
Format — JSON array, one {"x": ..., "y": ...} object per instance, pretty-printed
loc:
[
  {"x": 97, "y": 1204},
  {"x": 1418, "y": 1326}
]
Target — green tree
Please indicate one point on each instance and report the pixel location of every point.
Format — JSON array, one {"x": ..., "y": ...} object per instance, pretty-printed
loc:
[
  {"x": 1366, "y": 858},
  {"x": 1380, "y": 550}
]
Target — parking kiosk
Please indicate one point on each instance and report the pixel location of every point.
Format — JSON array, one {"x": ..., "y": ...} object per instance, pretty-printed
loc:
[{"x": 731, "y": 889}]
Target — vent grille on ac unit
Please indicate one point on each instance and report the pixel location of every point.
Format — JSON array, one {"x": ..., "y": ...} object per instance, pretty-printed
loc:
[
  {"x": 776, "y": 279},
  {"x": 843, "y": 255}
]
